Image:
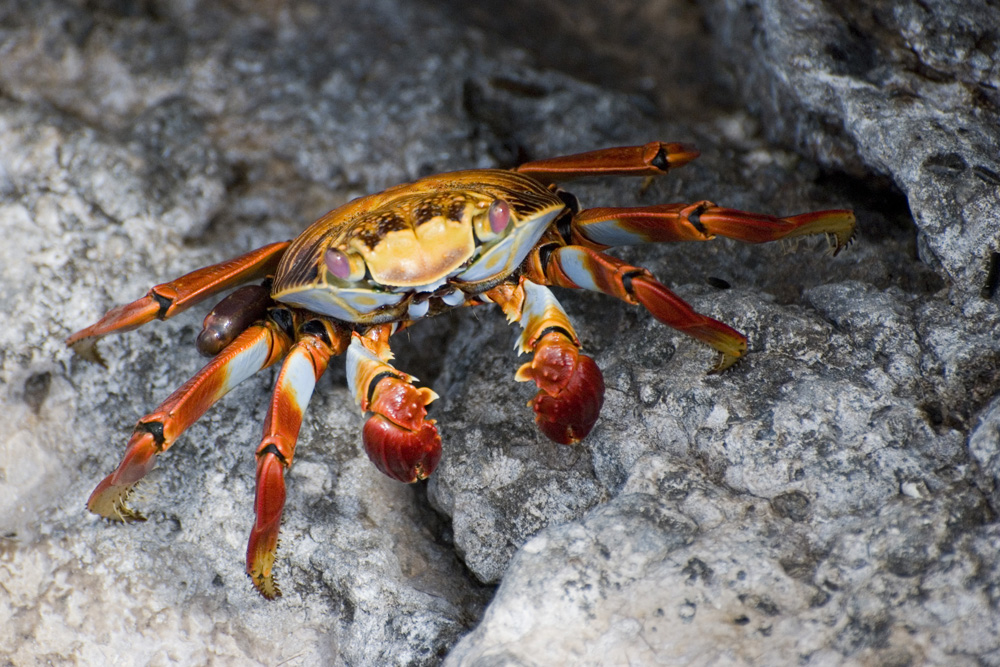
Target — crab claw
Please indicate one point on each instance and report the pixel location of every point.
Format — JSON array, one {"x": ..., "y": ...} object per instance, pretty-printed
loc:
[
  {"x": 398, "y": 438},
  {"x": 108, "y": 499},
  {"x": 570, "y": 389}
]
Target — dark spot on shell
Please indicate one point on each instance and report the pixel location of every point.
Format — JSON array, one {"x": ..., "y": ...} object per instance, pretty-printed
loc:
[
  {"x": 457, "y": 209},
  {"x": 376, "y": 229},
  {"x": 425, "y": 212}
]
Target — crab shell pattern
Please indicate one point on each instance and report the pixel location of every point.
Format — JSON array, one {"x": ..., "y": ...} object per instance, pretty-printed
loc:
[{"x": 379, "y": 263}]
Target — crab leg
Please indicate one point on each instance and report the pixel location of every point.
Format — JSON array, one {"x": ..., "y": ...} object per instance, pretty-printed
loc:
[
  {"x": 583, "y": 268},
  {"x": 398, "y": 437},
  {"x": 570, "y": 385},
  {"x": 301, "y": 370},
  {"x": 702, "y": 221},
  {"x": 652, "y": 159},
  {"x": 256, "y": 348},
  {"x": 168, "y": 299}
]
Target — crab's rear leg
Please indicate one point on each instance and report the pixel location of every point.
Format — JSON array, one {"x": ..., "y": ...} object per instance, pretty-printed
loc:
[
  {"x": 398, "y": 437},
  {"x": 318, "y": 340},
  {"x": 570, "y": 385},
  {"x": 584, "y": 268},
  {"x": 702, "y": 221},
  {"x": 169, "y": 299},
  {"x": 257, "y": 347},
  {"x": 652, "y": 159}
]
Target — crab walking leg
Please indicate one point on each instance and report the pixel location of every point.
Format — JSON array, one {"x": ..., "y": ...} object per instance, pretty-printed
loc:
[
  {"x": 570, "y": 385},
  {"x": 584, "y": 268},
  {"x": 256, "y": 348},
  {"x": 301, "y": 370},
  {"x": 169, "y": 299},
  {"x": 702, "y": 221},
  {"x": 398, "y": 437},
  {"x": 652, "y": 159}
]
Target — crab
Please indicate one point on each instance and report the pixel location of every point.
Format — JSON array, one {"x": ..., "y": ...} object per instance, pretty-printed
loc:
[{"x": 380, "y": 263}]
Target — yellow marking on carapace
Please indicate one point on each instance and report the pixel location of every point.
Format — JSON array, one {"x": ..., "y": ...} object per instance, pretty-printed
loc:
[{"x": 419, "y": 256}]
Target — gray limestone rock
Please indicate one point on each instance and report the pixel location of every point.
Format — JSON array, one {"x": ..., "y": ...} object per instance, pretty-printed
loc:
[
  {"x": 906, "y": 89},
  {"x": 830, "y": 499}
]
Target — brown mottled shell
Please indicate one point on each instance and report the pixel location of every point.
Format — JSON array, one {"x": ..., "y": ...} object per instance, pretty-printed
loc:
[{"x": 410, "y": 235}]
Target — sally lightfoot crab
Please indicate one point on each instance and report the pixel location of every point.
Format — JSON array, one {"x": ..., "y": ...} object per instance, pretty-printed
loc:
[{"x": 378, "y": 264}]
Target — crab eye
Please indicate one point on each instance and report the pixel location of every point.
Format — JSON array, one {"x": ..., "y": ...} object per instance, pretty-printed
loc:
[
  {"x": 337, "y": 263},
  {"x": 499, "y": 215}
]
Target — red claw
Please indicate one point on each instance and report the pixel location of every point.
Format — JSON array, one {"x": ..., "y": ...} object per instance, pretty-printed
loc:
[
  {"x": 570, "y": 389},
  {"x": 398, "y": 438}
]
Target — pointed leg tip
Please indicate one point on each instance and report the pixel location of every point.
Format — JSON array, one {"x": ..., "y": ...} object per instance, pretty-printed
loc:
[
  {"x": 725, "y": 361},
  {"x": 265, "y": 584},
  {"x": 680, "y": 153},
  {"x": 110, "y": 496},
  {"x": 261, "y": 554},
  {"x": 109, "y": 501},
  {"x": 85, "y": 347},
  {"x": 842, "y": 240}
]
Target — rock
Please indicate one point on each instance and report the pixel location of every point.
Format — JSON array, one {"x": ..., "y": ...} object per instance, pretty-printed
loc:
[
  {"x": 908, "y": 90},
  {"x": 832, "y": 498}
]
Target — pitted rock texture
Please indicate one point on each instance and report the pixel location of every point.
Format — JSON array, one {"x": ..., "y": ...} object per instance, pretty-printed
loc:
[{"x": 831, "y": 499}]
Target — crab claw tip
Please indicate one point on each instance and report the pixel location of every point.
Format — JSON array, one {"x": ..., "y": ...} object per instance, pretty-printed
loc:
[
  {"x": 570, "y": 389},
  {"x": 404, "y": 455}
]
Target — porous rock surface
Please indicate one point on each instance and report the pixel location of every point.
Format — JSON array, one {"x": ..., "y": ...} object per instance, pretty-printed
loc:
[{"x": 831, "y": 499}]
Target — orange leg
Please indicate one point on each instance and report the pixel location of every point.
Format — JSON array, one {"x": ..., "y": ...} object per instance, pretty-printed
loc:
[
  {"x": 585, "y": 268},
  {"x": 398, "y": 437},
  {"x": 652, "y": 159},
  {"x": 256, "y": 348},
  {"x": 570, "y": 385},
  {"x": 168, "y": 299},
  {"x": 304, "y": 365},
  {"x": 702, "y": 221}
]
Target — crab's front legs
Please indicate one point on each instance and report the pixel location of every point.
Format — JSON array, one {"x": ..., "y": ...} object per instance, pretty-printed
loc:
[
  {"x": 256, "y": 348},
  {"x": 398, "y": 437},
  {"x": 318, "y": 340},
  {"x": 570, "y": 385}
]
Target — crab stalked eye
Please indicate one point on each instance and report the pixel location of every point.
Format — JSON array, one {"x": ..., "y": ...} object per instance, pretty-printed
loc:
[
  {"x": 337, "y": 263},
  {"x": 499, "y": 215}
]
